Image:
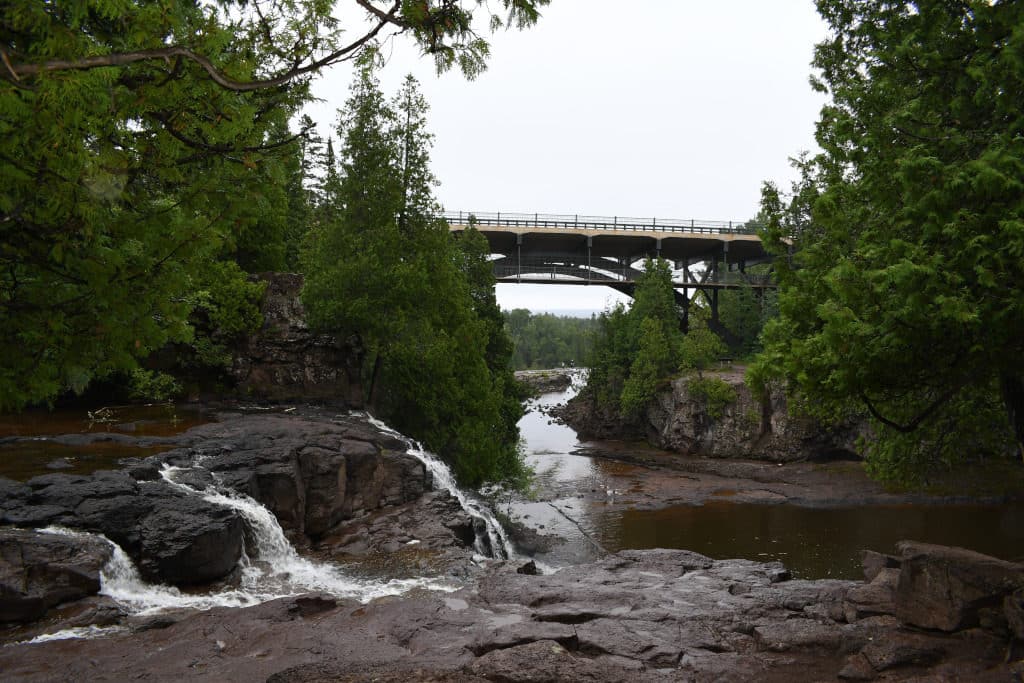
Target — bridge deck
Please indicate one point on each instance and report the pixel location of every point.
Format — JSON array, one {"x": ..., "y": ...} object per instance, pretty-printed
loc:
[{"x": 625, "y": 238}]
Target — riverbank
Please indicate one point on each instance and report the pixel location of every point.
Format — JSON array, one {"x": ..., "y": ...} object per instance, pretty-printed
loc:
[
  {"x": 378, "y": 576},
  {"x": 637, "y": 615}
]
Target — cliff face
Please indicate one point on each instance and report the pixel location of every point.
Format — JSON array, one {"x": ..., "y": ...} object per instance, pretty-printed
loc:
[
  {"x": 680, "y": 420},
  {"x": 286, "y": 361}
]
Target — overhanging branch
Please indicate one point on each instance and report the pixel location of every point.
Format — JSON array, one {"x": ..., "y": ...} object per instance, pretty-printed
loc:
[{"x": 17, "y": 71}]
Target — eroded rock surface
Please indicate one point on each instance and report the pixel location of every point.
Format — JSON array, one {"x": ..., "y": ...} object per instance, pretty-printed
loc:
[
  {"x": 40, "y": 571},
  {"x": 286, "y": 361},
  {"x": 638, "y": 615},
  {"x": 312, "y": 471},
  {"x": 172, "y": 536},
  {"x": 748, "y": 427}
]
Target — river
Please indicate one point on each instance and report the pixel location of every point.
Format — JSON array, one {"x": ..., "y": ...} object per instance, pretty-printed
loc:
[{"x": 590, "y": 499}]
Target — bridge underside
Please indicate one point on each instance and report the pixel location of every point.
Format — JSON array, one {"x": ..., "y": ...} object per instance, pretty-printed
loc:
[{"x": 562, "y": 254}]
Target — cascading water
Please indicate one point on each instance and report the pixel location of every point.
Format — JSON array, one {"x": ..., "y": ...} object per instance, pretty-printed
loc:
[
  {"x": 497, "y": 543},
  {"x": 270, "y": 566}
]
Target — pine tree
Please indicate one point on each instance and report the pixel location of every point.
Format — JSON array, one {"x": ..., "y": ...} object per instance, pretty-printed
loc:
[{"x": 382, "y": 268}]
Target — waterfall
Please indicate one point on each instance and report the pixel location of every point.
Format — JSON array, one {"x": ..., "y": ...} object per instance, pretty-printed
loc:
[
  {"x": 272, "y": 568},
  {"x": 495, "y": 542}
]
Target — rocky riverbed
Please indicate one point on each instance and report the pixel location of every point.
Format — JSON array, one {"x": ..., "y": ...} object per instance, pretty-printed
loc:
[
  {"x": 402, "y": 591},
  {"x": 637, "y": 615}
]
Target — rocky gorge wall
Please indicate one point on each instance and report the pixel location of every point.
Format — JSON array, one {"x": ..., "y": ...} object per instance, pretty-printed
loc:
[
  {"x": 285, "y": 361},
  {"x": 680, "y": 419}
]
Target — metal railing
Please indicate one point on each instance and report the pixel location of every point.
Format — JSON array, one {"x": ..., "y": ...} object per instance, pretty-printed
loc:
[{"x": 623, "y": 223}]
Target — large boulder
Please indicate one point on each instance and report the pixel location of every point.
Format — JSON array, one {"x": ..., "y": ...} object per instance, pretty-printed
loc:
[
  {"x": 188, "y": 541},
  {"x": 944, "y": 588},
  {"x": 172, "y": 536},
  {"x": 311, "y": 472},
  {"x": 41, "y": 570}
]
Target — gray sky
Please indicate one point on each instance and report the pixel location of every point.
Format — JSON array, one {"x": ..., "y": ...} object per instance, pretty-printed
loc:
[{"x": 654, "y": 108}]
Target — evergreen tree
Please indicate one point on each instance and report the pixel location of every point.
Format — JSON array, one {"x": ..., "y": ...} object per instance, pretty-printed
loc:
[
  {"x": 635, "y": 349},
  {"x": 904, "y": 297},
  {"x": 137, "y": 156},
  {"x": 381, "y": 267}
]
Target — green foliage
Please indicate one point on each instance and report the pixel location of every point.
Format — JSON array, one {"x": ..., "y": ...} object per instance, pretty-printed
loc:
[
  {"x": 635, "y": 349},
  {"x": 149, "y": 385},
  {"x": 716, "y": 394},
  {"x": 653, "y": 356},
  {"x": 381, "y": 268},
  {"x": 544, "y": 340},
  {"x": 700, "y": 347},
  {"x": 121, "y": 187},
  {"x": 142, "y": 143},
  {"x": 744, "y": 311},
  {"x": 903, "y": 295}
]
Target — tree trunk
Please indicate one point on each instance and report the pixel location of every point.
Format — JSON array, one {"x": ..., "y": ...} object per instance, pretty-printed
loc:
[
  {"x": 1013, "y": 398},
  {"x": 373, "y": 378}
]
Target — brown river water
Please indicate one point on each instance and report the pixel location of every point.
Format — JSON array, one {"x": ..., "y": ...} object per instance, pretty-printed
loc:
[
  {"x": 28, "y": 449},
  {"x": 592, "y": 502},
  {"x": 585, "y": 503}
]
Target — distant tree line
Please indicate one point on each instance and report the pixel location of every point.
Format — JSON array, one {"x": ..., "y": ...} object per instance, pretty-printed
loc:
[{"x": 545, "y": 340}]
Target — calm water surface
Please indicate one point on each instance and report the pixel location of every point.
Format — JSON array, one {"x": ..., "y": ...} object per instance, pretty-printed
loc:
[
  {"x": 27, "y": 448},
  {"x": 812, "y": 542}
]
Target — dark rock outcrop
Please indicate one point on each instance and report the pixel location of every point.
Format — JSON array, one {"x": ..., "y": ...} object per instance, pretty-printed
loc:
[
  {"x": 948, "y": 588},
  {"x": 637, "y": 616},
  {"x": 312, "y": 470},
  {"x": 285, "y": 361},
  {"x": 172, "y": 536},
  {"x": 39, "y": 571},
  {"x": 679, "y": 420}
]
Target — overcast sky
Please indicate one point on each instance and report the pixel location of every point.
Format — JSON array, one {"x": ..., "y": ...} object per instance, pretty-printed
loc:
[{"x": 661, "y": 108}]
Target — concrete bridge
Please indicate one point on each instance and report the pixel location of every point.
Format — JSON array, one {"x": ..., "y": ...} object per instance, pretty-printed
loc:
[{"x": 606, "y": 250}]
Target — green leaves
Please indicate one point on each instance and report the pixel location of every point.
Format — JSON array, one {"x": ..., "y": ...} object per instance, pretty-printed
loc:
[
  {"x": 381, "y": 267},
  {"x": 904, "y": 299},
  {"x": 634, "y": 350}
]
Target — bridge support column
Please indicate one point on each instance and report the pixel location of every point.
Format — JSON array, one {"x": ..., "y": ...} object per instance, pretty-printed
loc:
[
  {"x": 657, "y": 248},
  {"x": 590, "y": 246},
  {"x": 519, "y": 257},
  {"x": 683, "y": 301}
]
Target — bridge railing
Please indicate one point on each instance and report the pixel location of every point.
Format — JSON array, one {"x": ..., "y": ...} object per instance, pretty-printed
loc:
[{"x": 623, "y": 223}]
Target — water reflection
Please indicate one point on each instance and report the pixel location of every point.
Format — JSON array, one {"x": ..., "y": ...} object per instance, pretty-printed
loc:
[
  {"x": 813, "y": 543},
  {"x": 27, "y": 449},
  {"x": 589, "y": 503}
]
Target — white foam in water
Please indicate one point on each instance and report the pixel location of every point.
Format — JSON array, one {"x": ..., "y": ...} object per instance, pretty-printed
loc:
[
  {"x": 501, "y": 548},
  {"x": 272, "y": 568},
  {"x": 77, "y": 632}
]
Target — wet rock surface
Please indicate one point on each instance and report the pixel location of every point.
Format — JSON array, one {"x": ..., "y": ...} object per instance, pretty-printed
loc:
[
  {"x": 40, "y": 571},
  {"x": 545, "y": 381},
  {"x": 638, "y": 615},
  {"x": 312, "y": 470},
  {"x": 679, "y": 420},
  {"x": 172, "y": 536}
]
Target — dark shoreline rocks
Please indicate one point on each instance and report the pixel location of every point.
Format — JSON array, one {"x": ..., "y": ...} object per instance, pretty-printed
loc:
[
  {"x": 345, "y": 491},
  {"x": 654, "y": 615},
  {"x": 41, "y": 571},
  {"x": 748, "y": 428},
  {"x": 312, "y": 470}
]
